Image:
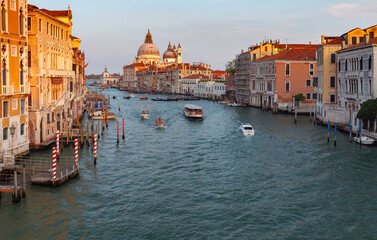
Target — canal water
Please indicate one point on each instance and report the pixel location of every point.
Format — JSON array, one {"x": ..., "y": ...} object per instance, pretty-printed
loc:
[{"x": 205, "y": 180}]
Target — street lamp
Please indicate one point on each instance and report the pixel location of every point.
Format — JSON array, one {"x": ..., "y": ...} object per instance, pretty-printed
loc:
[{"x": 12, "y": 131}]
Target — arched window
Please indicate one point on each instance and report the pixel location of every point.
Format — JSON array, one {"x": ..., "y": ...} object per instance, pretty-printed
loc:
[
  {"x": 5, "y": 134},
  {"x": 4, "y": 73},
  {"x": 3, "y": 17},
  {"x": 346, "y": 65},
  {"x": 361, "y": 63},
  {"x": 22, "y": 129},
  {"x": 22, "y": 24}
]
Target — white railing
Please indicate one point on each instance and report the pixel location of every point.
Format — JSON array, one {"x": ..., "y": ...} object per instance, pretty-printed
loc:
[
  {"x": 7, "y": 90},
  {"x": 25, "y": 88}
]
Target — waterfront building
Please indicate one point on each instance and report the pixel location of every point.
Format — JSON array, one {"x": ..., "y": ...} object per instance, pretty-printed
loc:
[
  {"x": 14, "y": 78},
  {"x": 190, "y": 83},
  {"x": 210, "y": 88},
  {"x": 109, "y": 79},
  {"x": 243, "y": 61},
  {"x": 327, "y": 72},
  {"x": 129, "y": 80},
  {"x": 276, "y": 79},
  {"x": 56, "y": 74},
  {"x": 357, "y": 79}
]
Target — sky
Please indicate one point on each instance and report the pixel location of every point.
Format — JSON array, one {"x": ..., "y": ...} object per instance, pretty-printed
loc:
[{"x": 209, "y": 31}]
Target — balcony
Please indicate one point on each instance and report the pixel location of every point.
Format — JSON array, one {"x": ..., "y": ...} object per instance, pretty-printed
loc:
[
  {"x": 25, "y": 89},
  {"x": 7, "y": 90}
]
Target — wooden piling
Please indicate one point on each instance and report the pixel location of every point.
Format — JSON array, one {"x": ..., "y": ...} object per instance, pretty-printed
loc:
[
  {"x": 123, "y": 129},
  {"x": 328, "y": 131},
  {"x": 23, "y": 181},
  {"x": 117, "y": 132},
  {"x": 335, "y": 136},
  {"x": 350, "y": 131},
  {"x": 87, "y": 133},
  {"x": 295, "y": 116},
  {"x": 15, "y": 193}
]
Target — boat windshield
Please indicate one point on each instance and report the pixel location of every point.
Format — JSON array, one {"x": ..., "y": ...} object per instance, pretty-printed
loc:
[{"x": 248, "y": 128}]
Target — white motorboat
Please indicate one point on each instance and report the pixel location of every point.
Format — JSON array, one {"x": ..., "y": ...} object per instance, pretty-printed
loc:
[
  {"x": 247, "y": 129},
  {"x": 131, "y": 95},
  {"x": 144, "y": 115},
  {"x": 364, "y": 140},
  {"x": 193, "y": 111},
  {"x": 98, "y": 115}
]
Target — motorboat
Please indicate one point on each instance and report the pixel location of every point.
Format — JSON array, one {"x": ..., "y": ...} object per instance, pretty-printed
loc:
[
  {"x": 159, "y": 122},
  {"x": 234, "y": 104},
  {"x": 98, "y": 115},
  {"x": 126, "y": 97},
  {"x": 247, "y": 129},
  {"x": 143, "y": 98},
  {"x": 114, "y": 97},
  {"x": 364, "y": 140},
  {"x": 144, "y": 115},
  {"x": 131, "y": 95},
  {"x": 193, "y": 111}
]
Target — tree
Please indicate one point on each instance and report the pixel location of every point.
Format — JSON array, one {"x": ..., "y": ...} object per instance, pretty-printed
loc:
[
  {"x": 231, "y": 67},
  {"x": 368, "y": 110},
  {"x": 299, "y": 97}
]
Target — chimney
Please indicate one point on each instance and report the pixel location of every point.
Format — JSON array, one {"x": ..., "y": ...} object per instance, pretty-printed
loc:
[
  {"x": 310, "y": 43},
  {"x": 343, "y": 44},
  {"x": 366, "y": 39},
  {"x": 323, "y": 39}
]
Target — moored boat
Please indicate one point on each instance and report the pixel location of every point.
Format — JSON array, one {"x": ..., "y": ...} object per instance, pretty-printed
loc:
[
  {"x": 364, "y": 140},
  {"x": 247, "y": 129},
  {"x": 159, "y": 122},
  {"x": 193, "y": 111},
  {"x": 98, "y": 115},
  {"x": 126, "y": 97},
  {"x": 143, "y": 98},
  {"x": 144, "y": 115}
]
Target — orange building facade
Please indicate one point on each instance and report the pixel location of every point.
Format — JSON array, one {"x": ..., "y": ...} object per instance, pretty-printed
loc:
[{"x": 14, "y": 79}]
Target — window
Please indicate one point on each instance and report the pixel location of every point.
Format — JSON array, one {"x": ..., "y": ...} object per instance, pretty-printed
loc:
[
  {"x": 29, "y": 23},
  {"x": 4, "y": 76},
  {"x": 5, "y": 109},
  {"x": 333, "y": 56},
  {"x": 47, "y": 27},
  {"x": 29, "y": 58},
  {"x": 287, "y": 69},
  {"x": 308, "y": 96},
  {"x": 265, "y": 49},
  {"x": 311, "y": 69},
  {"x": 332, "y": 82},
  {"x": 361, "y": 63},
  {"x": 14, "y": 104},
  {"x": 308, "y": 82},
  {"x": 22, "y": 76},
  {"x": 40, "y": 25},
  {"x": 314, "y": 96},
  {"x": 354, "y": 40},
  {"x": 71, "y": 86},
  {"x": 22, "y": 129},
  {"x": 346, "y": 65},
  {"x": 22, "y": 107},
  {"x": 53, "y": 117},
  {"x": 48, "y": 118},
  {"x": 5, "y": 134},
  {"x": 3, "y": 17},
  {"x": 332, "y": 98},
  {"x": 370, "y": 62},
  {"x": 254, "y": 56},
  {"x": 371, "y": 35},
  {"x": 287, "y": 86},
  {"x": 361, "y": 39},
  {"x": 13, "y": 51},
  {"x": 22, "y": 22}
]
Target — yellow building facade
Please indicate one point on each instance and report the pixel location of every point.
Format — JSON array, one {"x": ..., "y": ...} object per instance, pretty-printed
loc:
[
  {"x": 14, "y": 79},
  {"x": 52, "y": 74}
]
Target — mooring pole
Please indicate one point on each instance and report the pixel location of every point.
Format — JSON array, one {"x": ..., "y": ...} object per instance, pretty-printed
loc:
[
  {"x": 295, "y": 116},
  {"x": 95, "y": 149},
  {"x": 117, "y": 132},
  {"x": 57, "y": 142},
  {"x": 23, "y": 181},
  {"x": 77, "y": 152},
  {"x": 350, "y": 131},
  {"x": 15, "y": 186},
  {"x": 328, "y": 131},
  {"x": 54, "y": 163},
  {"x": 335, "y": 136},
  {"x": 123, "y": 129}
]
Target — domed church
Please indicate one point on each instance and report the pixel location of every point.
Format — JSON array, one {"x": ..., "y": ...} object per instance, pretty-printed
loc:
[{"x": 149, "y": 54}]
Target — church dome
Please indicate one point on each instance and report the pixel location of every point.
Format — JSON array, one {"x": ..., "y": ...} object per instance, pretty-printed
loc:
[
  {"x": 148, "y": 48},
  {"x": 169, "y": 53}
]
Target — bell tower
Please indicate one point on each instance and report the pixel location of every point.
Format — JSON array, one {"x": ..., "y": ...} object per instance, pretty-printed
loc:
[{"x": 179, "y": 53}]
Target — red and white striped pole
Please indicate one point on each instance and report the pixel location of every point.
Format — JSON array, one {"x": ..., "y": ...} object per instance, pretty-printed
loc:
[
  {"x": 76, "y": 152},
  {"x": 54, "y": 163},
  {"x": 95, "y": 149},
  {"x": 57, "y": 142},
  {"x": 117, "y": 131},
  {"x": 123, "y": 129}
]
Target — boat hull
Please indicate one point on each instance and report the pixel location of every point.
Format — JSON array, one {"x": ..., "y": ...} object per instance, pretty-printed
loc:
[{"x": 364, "y": 141}]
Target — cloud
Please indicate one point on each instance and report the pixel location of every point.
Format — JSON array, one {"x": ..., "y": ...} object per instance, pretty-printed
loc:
[{"x": 353, "y": 10}]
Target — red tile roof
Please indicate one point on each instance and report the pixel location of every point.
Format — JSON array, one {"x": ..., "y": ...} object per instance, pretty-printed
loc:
[
  {"x": 56, "y": 13},
  {"x": 336, "y": 40},
  {"x": 195, "y": 76},
  {"x": 293, "y": 54}
]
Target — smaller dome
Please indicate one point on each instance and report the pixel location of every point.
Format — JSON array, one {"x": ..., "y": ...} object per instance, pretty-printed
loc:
[{"x": 169, "y": 53}]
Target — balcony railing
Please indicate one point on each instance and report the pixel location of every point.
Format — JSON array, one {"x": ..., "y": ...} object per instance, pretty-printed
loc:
[
  {"x": 25, "y": 89},
  {"x": 7, "y": 90}
]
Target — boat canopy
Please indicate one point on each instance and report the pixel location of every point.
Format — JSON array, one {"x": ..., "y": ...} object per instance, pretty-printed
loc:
[{"x": 193, "y": 107}]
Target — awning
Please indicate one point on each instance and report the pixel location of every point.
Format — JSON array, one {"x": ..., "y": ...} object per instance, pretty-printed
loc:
[{"x": 57, "y": 80}]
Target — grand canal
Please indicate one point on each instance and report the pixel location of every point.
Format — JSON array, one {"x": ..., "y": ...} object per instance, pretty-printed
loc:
[{"x": 202, "y": 180}]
